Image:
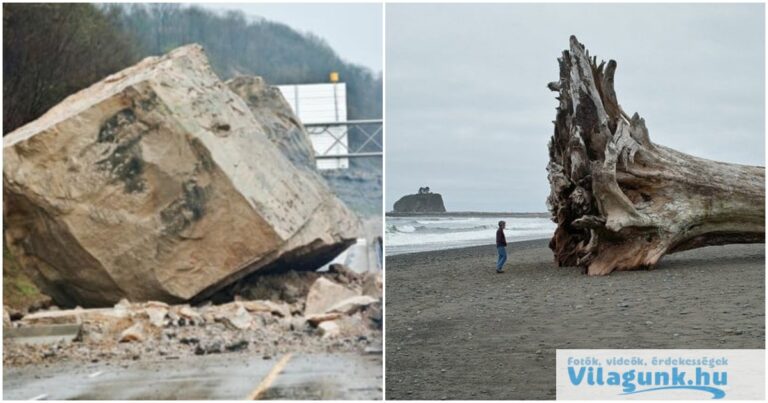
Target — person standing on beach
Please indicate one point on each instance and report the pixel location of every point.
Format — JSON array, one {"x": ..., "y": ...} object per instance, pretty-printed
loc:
[{"x": 501, "y": 246}]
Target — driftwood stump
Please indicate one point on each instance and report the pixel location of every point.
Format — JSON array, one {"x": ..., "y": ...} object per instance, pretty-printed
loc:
[{"x": 622, "y": 202}]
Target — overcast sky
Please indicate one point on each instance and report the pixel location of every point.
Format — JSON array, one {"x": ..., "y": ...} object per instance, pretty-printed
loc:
[
  {"x": 354, "y": 31},
  {"x": 468, "y": 112}
]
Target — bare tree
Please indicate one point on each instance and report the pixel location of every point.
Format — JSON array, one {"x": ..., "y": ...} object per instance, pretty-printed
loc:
[{"x": 53, "y": 50}]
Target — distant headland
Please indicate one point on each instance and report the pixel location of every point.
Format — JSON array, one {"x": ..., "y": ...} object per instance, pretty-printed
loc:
[
  {"x": 422, "y": 202},
  {"x": 426, "y": 202}
]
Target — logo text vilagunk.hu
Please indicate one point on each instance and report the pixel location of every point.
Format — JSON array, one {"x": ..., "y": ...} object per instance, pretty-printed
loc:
[{"x": 634, "y": 381}]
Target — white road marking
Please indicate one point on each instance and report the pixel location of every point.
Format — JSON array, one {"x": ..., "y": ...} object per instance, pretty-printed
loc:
[
  {"x": 95, "y": 374},
  {"x": 40, "y": 397}
]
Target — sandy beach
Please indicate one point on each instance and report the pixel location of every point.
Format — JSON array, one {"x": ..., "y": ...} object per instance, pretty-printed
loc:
[{"x": 458, "y": 330}]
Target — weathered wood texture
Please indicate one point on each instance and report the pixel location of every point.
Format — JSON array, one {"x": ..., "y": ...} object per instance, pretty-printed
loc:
[{"x": 622, "y": 202}]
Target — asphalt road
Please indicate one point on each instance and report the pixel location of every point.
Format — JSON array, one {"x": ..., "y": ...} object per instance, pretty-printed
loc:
[{"x": 213, "y": 377}]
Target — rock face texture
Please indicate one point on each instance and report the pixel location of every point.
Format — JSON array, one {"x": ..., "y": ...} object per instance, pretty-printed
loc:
[
  {"x": 282, "y": 126},
  {"x": 160, "y": 183},
  {"x": 420, "y": 203},
  {"x": 360, "y": 189}
]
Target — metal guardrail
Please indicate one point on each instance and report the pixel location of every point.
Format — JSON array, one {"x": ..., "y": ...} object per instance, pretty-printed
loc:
[{"x": 369, "y": 147}]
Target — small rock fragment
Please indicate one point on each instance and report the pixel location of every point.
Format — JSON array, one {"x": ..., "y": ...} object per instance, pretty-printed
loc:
[
  {"x": 325, "y": 294},
  {"x": 156, "y": 315},
  {"x": 6, "y": 317},
  {"x": 353, "y": 304},
  {"x": 279, "y": 309},
  {"x": 237, "y": 346},
  {"x": 238, "y": 319},
  {"x": 133, "y": 333},
  {"x": 328, "y": 329}
]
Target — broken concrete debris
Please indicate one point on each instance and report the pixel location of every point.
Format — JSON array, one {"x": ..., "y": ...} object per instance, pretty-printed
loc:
[{"x": 329, "y": 316}]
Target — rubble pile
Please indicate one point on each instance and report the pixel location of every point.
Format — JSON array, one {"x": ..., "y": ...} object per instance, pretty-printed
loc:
[{"x": 340, "y": 311}]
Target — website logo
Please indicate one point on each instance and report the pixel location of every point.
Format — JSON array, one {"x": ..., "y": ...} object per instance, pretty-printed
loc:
[{"x": 660, "y": 374}]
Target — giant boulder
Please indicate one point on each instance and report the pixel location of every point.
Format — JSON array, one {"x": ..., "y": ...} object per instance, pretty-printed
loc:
[{"x": 159, "y": 183}]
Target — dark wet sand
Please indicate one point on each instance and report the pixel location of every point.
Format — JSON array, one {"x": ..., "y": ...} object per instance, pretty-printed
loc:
[{"x": 457, "y": 330}]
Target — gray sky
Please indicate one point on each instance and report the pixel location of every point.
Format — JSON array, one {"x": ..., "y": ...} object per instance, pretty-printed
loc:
[
  {"x": 354, "y": 31},
  {"x": 468, "y": 112}
]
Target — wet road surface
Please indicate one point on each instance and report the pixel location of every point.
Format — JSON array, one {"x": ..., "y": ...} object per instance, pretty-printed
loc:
[{"x": 213, "y": 377}]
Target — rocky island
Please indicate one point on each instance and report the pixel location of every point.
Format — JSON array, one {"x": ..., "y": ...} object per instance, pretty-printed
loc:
[{"x": 423, "y": 202}]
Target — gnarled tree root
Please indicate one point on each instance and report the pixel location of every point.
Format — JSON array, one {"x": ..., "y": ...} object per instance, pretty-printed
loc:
[{"x": 622, "y": 202}]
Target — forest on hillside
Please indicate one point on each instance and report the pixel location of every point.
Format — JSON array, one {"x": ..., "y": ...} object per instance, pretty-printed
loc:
[{"x": 53, "y": 50}]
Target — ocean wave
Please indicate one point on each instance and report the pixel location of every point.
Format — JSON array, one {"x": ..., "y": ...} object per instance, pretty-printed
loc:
[
  {"x": 406, "y": 228},
  {"x": 407, "y": 234},
  {"x": 451, "y": 220},
  {"x": 402, "y": 228}
]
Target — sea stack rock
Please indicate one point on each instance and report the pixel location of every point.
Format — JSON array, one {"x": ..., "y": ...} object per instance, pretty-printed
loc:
[
  {"x": 160, "y": 183},
  {"x": 422, "y": 202}
]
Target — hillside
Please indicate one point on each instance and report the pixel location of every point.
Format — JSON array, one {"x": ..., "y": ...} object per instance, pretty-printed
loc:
[{"x": 240, "y": 45}]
